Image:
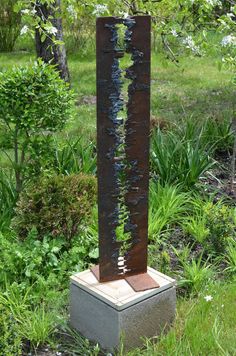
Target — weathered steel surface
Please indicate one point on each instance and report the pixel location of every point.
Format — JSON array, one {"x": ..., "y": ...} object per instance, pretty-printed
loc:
[
  {"x": 123, "y": 147},
  {"x": 141, "y": 282}
]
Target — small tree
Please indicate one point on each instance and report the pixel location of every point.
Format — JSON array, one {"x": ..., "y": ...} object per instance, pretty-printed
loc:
[
  {"x": 43, "y": 19},
  {"x": 34, "y": 103},
  {"x": 49, "y": 49}
]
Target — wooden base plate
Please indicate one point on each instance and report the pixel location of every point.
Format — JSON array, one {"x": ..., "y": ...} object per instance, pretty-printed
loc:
[{"x": 139, "y": 282}]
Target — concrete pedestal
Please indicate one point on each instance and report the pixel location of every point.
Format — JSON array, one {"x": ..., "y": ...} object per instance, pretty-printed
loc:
[{"x": 107, "y": 312}]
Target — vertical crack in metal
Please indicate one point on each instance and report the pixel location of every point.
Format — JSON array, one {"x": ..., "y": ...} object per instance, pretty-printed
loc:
[
  {"x": 126, "y": 171},
  {"x": 128, "y": 160}
]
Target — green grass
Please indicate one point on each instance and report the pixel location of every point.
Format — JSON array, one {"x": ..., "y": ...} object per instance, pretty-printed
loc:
[
  {"x": 195, "y": 88},
  {"x": 201, "y": 327}
]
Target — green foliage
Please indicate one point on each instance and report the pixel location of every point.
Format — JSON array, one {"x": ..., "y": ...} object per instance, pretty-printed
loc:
[
  {"x": 218, "y": 134},
  {"x": 55, "y": 205},
  {"x": 31, "y": 259},
  {"x": 9, "y": 25},
  {"x": 79, "y": 26},
  {"x": 34, "y": 102},
  {"x": 76, "y": 345},
  {"x": 213, "y": 226},
  {"x": 45, "y": 262},
  {"x": 34, "y": 98},
  {"x": 7, "y": 198},
  {"x": 168, "y": 205},
  {"x": 37, "y": 326},
  {"x": 201, "y": 327},
  {"x": 211, "y": 133},
  {"x": 48, "y": 261},
  {"x": 10, "y": 340},
  {"x": 196, "y": 274},
  {"x": 230, "y": 258},
  {"x": 197, "y": 227},
  {"x": 34, "y": 324},
  {"x": 177, "y": 159},
  {"x": 221, "y": 223},
  {"x": 73, "y": 157}
]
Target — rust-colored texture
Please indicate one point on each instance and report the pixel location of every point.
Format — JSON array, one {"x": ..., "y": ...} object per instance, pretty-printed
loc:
[{"x": 123, "y": 123}]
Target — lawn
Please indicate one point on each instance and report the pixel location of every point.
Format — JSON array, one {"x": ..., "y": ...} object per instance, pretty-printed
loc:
[{"x": 195, "y": 88}]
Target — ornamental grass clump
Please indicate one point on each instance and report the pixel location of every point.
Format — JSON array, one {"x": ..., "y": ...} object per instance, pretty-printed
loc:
[
  {"x": 177, "y": 159},
  {"x": 168, "y": 207},
  {"x": 10, "y": 339}
]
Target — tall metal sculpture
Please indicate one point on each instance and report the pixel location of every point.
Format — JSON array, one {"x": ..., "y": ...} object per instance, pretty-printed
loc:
[{"x": 123, "y": 151}]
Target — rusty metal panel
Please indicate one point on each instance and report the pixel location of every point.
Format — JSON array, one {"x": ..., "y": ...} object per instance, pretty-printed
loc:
[
  {"x": 142, "y": 282},
  {"x": 123, "y": 147}
]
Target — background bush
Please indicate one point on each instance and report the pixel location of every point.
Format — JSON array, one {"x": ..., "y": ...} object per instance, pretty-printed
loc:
[
  {"x": 55, "y": 205},
  {"x": 9, "y": 25}
]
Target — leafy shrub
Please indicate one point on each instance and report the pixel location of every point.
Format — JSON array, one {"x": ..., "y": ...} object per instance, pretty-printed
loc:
[
  {"x": 221, "y": 224},
  {"x": 49, "y": 260},
  {"x": 218, "y": 224},
  {"x": 34, "y": 101},
  {"x": 176, "y": 159},
  {"x": 212, "y": 225},
  {"x": 30, "y": 259},
  {"x": 55, "y": 205},
  {"x": 10, "y": 339}
]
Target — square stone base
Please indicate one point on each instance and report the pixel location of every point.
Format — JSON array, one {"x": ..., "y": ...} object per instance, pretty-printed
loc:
[{"x": 108, "y": 312}]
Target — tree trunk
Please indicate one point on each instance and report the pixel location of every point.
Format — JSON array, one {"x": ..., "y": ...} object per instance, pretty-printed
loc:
[{"x": 47, "y": 49}]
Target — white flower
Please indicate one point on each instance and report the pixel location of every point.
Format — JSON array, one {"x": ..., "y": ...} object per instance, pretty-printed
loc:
[
  {"x": 189, "y": 43},
  {"x": 71, "y": 10},
  {"x": 213, "y": 2},
  {"x": 99, "y": 9},
  {"x": 123, "y": 14},
  {"x": 24, "y": 30},
  {"x": 229, "y": 40},
  {"x": 208, "y": 298},
  {"x": 51, "y": 30},
  {"x": 25, "y": 12},
  {"x": 33, "y": 12},
  {"x": 174, "y": 33}
]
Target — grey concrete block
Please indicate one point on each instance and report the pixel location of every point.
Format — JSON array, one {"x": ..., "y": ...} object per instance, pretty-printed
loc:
[{"x": 107, "y": 322}]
